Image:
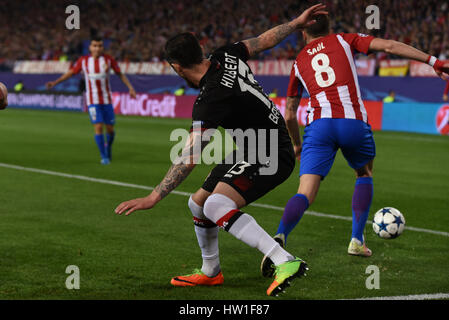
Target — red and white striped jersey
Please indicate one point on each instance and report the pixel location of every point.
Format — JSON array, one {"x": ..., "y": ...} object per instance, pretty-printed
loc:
[
  {"x": 326, "y": 69},
  {"x": 96, "y": 73}
]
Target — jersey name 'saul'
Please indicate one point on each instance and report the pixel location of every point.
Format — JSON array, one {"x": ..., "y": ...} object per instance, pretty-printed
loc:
[
  {"x": 230, "y": 71},
  {"x": 316, "y": 50}
]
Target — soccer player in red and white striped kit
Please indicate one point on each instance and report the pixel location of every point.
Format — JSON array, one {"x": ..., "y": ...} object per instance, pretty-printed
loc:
[
  {"x": 96, "y": 68},
  {"x": 337, "y": 119}
]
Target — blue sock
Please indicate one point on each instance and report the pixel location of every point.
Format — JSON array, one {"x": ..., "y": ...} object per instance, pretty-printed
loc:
[
  {"x": 361, "y": 203},
  {"x": 109, "y": 141},
  {"x": 293, "y": 212},
  {"x": 99, "y": 139}
]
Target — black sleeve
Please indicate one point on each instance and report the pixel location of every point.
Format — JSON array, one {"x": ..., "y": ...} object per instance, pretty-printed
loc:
[
  {"x": 237, "y": 49},
  {"x": 202, "y": 125},
  {"x": 211, "y": 114}
]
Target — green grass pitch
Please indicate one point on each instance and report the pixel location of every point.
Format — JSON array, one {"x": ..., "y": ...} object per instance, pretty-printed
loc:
[{"x": 49, "y": 222}]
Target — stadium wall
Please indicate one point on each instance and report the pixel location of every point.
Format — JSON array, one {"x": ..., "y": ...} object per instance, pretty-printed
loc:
[
  {"x": 418, "y": 106},
  {"x": 431, "y": 118},
  {"x": 407, "y": 89}
]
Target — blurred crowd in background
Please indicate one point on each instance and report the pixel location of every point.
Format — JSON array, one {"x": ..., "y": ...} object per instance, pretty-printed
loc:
[{"x": 136, "y": 30}]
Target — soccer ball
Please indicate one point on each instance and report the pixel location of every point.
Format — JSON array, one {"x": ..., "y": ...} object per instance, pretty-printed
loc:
[{"x": 388, "y": 223}]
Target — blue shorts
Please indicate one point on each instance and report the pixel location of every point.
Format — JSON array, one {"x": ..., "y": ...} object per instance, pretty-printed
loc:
[
  {"x": 101, "y": 113},
  {"x": 322, "y": 139}
]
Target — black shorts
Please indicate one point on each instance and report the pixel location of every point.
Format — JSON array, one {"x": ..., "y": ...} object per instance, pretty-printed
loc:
[{"x": 247, "y": 179}]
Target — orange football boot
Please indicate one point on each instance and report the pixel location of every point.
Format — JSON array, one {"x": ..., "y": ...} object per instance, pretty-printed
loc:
[{"x": 197, "y": 278}]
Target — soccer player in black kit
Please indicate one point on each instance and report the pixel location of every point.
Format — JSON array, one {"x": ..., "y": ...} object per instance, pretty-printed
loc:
[{"x": 231, "y": 98}]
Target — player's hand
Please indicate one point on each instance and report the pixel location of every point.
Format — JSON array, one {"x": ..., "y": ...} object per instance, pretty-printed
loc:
[
  {"x": 298, "y": 150},
  {"x": 50, "y": 85},
  {"x": 306, "y": 18},
  {"x": 132, "y": 93},
  {"x": 138, "y": 204},
  {"x": 442, "y": 69},
  {"x": 445, "y": 97}
]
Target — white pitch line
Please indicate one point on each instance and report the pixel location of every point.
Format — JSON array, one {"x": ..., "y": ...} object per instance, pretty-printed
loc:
[
  {"x": 429, "y": 296},
  {"x": 188, "y": 194}
]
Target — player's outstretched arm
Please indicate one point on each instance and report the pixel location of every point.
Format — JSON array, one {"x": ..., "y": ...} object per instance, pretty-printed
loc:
[
  {"x": 177, "y": 173},
  {"x": 125, "y": 80},
  {"x": 64, "y": 77},
  {"x": 408, "y": 52},
  {"x": 292, "y": 124},
  {"x": 272, "y": 37}
]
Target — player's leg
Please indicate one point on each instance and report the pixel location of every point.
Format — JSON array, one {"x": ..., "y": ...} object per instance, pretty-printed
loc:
[
  {"x": 110, "y": 135},
  {"x": 109, "y": 120},
  {"x": 293, "y": 212},
  {"x": 361, "y": 200},
  {"x": 99, "y": 140},
  {"x": 223, "y": 207},
  {"x": 297, "y": 205},
  {"x": 207, "y": 235},
  {"x": 241, "y": 185},
  {"x": 361, "y": 204},
  {"x": 317, "y": 156},
  {"x": 358, "y": 148},
  {"x": 96, "y": 118}
]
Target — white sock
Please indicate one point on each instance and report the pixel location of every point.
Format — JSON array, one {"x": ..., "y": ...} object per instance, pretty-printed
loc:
[
  {"x": 207, "y": 240},
  {"x": 246, "y": 229},
  {"x": 243, "y": 226}
]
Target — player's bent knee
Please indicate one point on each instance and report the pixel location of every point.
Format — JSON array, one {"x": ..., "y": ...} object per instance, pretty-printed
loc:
[
  {"x": 200, "y": 197},
  {"x": 364, "y": 172},
  {"x": 199, "y": 219},
  {"x": 98, "y": 128},
  {"x": 310, "y": 194},
  {"x": 196, "y": 209},
  {"x": 220, "y": 209},
  {"x": 110, "y": 129},
  {"x": 364, "y": 175}
]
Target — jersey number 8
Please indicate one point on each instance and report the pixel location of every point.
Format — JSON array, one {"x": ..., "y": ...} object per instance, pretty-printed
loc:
[{"x": 320, "y": 63}]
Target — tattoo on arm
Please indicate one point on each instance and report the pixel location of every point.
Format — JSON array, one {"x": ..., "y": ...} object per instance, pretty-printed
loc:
[
  {"x": 175, "y": 175},
  {"x": 183, "y": 165},
  {"x": 269, "y": 38}
]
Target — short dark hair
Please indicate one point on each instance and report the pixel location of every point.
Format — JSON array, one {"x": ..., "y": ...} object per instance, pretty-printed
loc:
[
  {"x": 96, "y": 38},
  {"x": 184, "y": 49},
  {"x": 320, "y": 27}
]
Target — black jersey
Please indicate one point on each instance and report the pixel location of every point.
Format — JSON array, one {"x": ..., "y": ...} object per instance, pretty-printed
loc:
[{"x": 231, "y": 98}]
